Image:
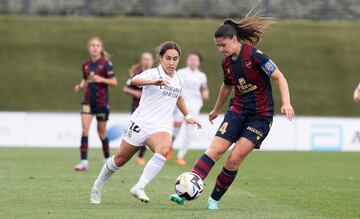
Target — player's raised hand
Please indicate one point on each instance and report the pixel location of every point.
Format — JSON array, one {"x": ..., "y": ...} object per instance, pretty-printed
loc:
[
  {"x": 288, "y": 111},
  {"x": 213, "y": 115},
  {"x": 160, "y": 82},
  {"x": 194, "y": 122}
]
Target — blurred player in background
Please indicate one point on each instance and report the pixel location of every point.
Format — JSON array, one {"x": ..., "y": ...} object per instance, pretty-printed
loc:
[
  {"x": 195, "y": 92},
  {"x": 248, "y": 120},
  {"x": 151, "y": 123},
  {"x": 356, "y": 95},
  {"x": 146, "y": 62},
  {"x": 98, "y": 73}
]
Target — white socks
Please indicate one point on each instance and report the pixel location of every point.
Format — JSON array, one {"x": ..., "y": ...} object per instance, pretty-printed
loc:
[
  {"x": 175, "y": 133},
  {"x": 185, "y": 141},
  {"x": 106, "y": 172},
  {"x": 152, "y": 168}
]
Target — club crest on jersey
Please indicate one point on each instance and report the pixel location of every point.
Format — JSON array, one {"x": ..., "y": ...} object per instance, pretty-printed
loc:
[{"x": 248, "y": 64}]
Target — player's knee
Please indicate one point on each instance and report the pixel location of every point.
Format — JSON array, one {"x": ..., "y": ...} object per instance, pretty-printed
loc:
[
  {"x": 233, "y": 162},
  {"x": 85, "y": 132},
  {"x": 214, "y": 154},
  {"x": 163, "y": 151}
]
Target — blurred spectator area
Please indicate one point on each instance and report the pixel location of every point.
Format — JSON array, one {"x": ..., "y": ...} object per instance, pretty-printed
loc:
[{"x": 308, "y": 9}]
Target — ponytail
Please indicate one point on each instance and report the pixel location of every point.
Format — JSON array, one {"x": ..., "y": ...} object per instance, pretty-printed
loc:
[
  {"x": 105, "y": 54},
  {"x": 248, "y": 30}
]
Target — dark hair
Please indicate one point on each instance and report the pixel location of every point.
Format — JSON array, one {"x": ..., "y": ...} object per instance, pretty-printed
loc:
[
  {"x": 198, "y": 54},
  {"x": 248, "y": 30},
  {"x": 169, "y": 45}
]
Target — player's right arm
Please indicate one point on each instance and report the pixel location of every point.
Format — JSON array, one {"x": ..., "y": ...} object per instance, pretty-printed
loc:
[
  {"x": 356, "y": 95},
  {"x": 80, "y": 86},
  {"x": 224, "y": 93},
  {"x": 129, "y": 90},
  {"x": 147, "y": 78}
]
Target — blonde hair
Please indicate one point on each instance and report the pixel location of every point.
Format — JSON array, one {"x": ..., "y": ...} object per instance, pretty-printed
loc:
[{"x": 104, "y": 53}]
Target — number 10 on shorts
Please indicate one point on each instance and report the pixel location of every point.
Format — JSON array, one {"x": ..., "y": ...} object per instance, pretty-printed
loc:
[{"x": 223, "y": 128}]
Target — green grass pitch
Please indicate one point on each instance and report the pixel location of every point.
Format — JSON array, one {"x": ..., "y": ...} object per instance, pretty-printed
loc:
[{"x": 40, "y": 183}]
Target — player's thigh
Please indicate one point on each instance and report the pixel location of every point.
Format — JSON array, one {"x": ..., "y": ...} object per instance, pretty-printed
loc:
[
  {"x": 241, "y": 149},
  {"x": 86, "y": 121},
  {"x": 124, "y": 153},
  {"x": 159, "y": 142},
  {"x": 217, "y": 148}
]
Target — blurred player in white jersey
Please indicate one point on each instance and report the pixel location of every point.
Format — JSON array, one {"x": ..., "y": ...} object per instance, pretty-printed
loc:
[
  {"x": 151, "y": 123},
  {"x": 357, "y": 94},
  {"x": 195, "y": 92}
]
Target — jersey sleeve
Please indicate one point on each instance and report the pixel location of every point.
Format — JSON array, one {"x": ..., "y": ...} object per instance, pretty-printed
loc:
[
  {"x": 148, "y": 74},
  {"x": 264, "y": 62},
  {"x": 227, "y": 74},
  {"x": 83, "y": 72},
  {"x": 109, "y": 69}
]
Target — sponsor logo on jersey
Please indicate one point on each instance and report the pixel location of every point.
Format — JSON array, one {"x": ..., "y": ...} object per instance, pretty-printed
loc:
[{"x": 245, "y": 87}]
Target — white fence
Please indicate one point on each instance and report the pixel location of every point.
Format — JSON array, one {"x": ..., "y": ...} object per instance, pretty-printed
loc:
[{"x": 22, "y": 129}]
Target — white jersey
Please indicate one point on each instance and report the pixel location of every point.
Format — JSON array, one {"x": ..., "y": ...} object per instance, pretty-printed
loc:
[
  {"x": 194, "y": 81},
  {"x": 157, "y": 103}
]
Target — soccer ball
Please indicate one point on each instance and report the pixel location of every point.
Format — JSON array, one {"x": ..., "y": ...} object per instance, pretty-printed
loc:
[{"x": 189, "y": 186}]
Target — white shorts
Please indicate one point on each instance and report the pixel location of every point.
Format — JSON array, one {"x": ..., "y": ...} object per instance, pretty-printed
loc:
[{"x": 134, "y": 135}]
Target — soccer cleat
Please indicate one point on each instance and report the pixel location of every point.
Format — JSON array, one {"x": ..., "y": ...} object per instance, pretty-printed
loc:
[
  {"x": 82, "y": 166},
  {"x": 95, "y": 196},
  {"x": 212, "y": 204},
  {"x": 180, "y": 161},
  {"x": 139, "y": 194},
  {"x": 169, "y": 154},
  {"x": 177, "y": 199},
  {"x": 140, "y": 161}
]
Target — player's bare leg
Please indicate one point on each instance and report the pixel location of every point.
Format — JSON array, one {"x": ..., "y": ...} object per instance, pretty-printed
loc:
[
  {"x": 215, "y": 151},
  {"x": 101, "y": 127},
  {"x": 122, "y": 156},
  {"x": 225, "y": 178},
  {"x": 159, "y": 143},
  {"x": 83, "y": 165}
]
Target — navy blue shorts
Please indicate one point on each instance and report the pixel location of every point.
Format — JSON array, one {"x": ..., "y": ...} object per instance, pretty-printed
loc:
[
  {"x": 254, "y": 128},
  {"x": 101, "y": 113}
]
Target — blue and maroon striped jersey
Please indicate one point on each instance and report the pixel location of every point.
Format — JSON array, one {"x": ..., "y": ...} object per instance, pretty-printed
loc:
[
  {"x": 97, "y": 94},
  {"x": 249, "y": 73}
]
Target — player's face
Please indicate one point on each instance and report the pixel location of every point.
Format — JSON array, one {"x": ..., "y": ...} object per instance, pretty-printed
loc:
[
  {"x": 226, "y": 46},
  {"x": 95, "y": 48},
  {"x": 146, "y": 61},
  {"x": 170, "y": 60},
  {"x": 193, "y": 62}
]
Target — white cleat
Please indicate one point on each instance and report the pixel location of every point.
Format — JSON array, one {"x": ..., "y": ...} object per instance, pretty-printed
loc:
[
  {"x": 139, "y": 194},
  {"x": 82, "y": 166},
  {"x": 95, "y": 196}
]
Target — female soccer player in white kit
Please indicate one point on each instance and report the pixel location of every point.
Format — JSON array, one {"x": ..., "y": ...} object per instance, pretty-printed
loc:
[
  {"x": 151, "y": 123},
  {"x": 195, "y": 92}
]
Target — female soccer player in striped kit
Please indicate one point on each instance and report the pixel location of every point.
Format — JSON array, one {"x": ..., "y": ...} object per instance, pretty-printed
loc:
[
  {"x": 146, "y": 62},
  {"x": 98, "y": 73},
  {"x": 151, "y": 123},
  {"x": 248, "y": 120},
  {"x": 194, "y": 91}
]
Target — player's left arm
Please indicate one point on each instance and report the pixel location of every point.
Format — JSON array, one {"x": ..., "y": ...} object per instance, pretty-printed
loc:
[
  {"x": 183, "y": 109},
  {"x": 286, "y": 107},
  {"x": 356, "y": 95},
  {"x": 204, "y": 90}
]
